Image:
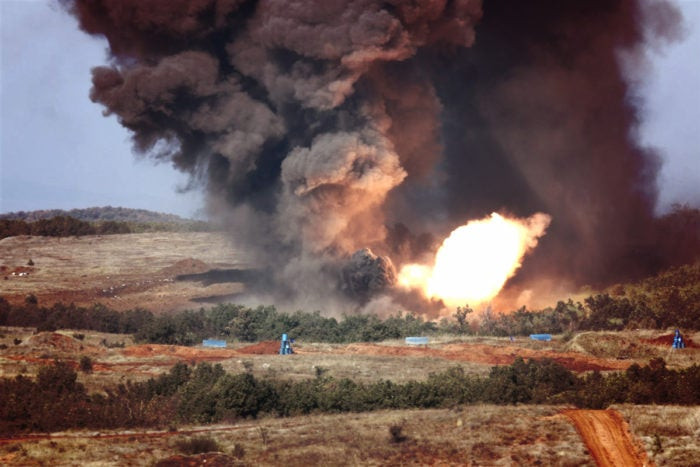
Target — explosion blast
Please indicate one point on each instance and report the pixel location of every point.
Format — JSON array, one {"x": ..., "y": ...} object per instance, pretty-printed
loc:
[
  {"x": 325, "y": 133},
  {"x": 475, "y": 261}
]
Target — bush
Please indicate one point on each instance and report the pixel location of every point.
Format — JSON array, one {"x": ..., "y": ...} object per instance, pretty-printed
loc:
[
  {"x": 206, "y": 393},
  {"x": 85, "y": 364},
  {"x": 396, "y": 434},
  {"x": 198, "y": 445}
]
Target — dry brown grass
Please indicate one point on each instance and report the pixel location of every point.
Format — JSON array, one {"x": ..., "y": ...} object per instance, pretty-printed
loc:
[
  {"x": 670, "y": 434},
  {"x": 476, "y": 435},
  {"x": 121, "y": 271},
  {"x": 472, "y": 435}
]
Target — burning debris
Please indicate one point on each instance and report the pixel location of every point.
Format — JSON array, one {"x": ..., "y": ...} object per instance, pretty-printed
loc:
[{"x": 312, "y": 125}]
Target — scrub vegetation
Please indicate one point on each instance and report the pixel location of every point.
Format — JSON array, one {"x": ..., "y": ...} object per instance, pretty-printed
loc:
[{"x": 206, "y": 393}]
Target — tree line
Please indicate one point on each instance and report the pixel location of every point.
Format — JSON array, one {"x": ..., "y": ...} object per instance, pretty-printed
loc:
[
  {"x": 95, "y": 213},
  {"x": 66, "y": 226},
  {"x": 225, "y": 321},
  {"x": 205, "y": 393},
  {"x": 240, "y": 323}
]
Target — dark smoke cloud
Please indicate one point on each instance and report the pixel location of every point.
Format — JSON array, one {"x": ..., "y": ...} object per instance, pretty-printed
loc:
[
  {"x": 313, "y": 125},
  {"x": 543, "y": 119}
]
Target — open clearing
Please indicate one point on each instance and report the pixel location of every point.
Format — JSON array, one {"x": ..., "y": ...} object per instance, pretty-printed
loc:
[
  {"x": 120, "y": 271},
  {"x": 478, "y": 435},
  {"x": 117, "y": 358}
]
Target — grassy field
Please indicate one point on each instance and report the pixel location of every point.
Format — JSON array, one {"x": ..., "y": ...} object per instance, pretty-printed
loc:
[
  {"x": 478, "y": 435},
  {"x": 120, "y": 271},
  {"x": 670, "y": 434}
]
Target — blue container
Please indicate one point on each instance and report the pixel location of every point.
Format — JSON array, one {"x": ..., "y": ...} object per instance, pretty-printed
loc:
[
  {"x": 417, "y": 340},
  {"x": 214, "y": 343},
  {"x": 286, "y": 345},
  {"x": 678, "y": 342},
  {"x": 541, "y": 337}
]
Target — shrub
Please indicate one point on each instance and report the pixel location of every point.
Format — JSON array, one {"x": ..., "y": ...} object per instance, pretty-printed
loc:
[
  {"x": 238, "y": 452},
  {"x": 86, "y": 364},
  {"x": 396, "y": 433},
  {"x": 198, "y": 445}
]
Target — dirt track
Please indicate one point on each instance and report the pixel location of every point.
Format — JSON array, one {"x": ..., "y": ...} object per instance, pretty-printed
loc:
[{"x": 607, "y": 437}]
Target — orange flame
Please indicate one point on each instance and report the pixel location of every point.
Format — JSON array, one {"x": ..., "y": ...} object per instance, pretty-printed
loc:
[{"x": 475, "y": 261}]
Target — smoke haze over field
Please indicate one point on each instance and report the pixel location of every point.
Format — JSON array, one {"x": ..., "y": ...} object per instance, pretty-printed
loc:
[{"x": 339, "y": 139}]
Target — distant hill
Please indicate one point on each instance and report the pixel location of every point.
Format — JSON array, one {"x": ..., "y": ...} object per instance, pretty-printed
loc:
[
  {"x": 95, "y": 221},
  {"x": 99, "y": 214}
]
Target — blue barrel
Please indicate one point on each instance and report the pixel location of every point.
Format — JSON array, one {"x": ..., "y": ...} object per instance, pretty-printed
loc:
[
  {"x": 417, "y": 340},
  {"x": 541, "y": 337},
  {"x": 213, "y": 343},
  {"x": 286, "y": 345}
]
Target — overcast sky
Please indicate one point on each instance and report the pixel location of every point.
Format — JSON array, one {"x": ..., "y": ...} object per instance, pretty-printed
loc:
[{"x": 58, "y": 151}]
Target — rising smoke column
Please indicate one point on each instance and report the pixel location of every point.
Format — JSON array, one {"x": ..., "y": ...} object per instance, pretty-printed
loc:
[
  {"x": 543, "y": 118},
  {"x": 314, "y": 124},
  {"x": 282, "y": 110}
]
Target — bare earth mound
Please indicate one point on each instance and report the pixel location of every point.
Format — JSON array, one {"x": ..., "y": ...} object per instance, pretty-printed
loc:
[
  {"x": 55, "y": 341},
  {"x": 667, "y": 340}
]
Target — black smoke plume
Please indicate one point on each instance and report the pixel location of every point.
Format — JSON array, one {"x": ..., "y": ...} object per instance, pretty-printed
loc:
[{"x": 315, "y": 125}]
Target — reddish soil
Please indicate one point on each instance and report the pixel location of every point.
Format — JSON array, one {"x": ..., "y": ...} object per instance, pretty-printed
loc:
[
  {"x": 487, "y": 354},
  {"x": 667, "y": 340},
  {"x": 61, "y": 343},
  {"x": 154, "y": 355},
  {"x": 607, "y": 437},
  {"x": 178, "y": 352},
  {"x": 261, "y": 348}
]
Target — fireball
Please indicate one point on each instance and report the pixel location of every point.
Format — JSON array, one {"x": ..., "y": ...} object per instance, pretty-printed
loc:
[{"x": 475, "y": 260}]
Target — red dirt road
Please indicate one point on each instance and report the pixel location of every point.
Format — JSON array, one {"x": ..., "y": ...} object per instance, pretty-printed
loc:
[{"x": 607, "y": 437}]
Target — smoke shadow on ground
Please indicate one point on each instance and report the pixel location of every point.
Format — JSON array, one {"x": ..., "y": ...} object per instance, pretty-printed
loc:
[
  {"x": 218, "y": 276},
  {"x": 254, "y": 281}
]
